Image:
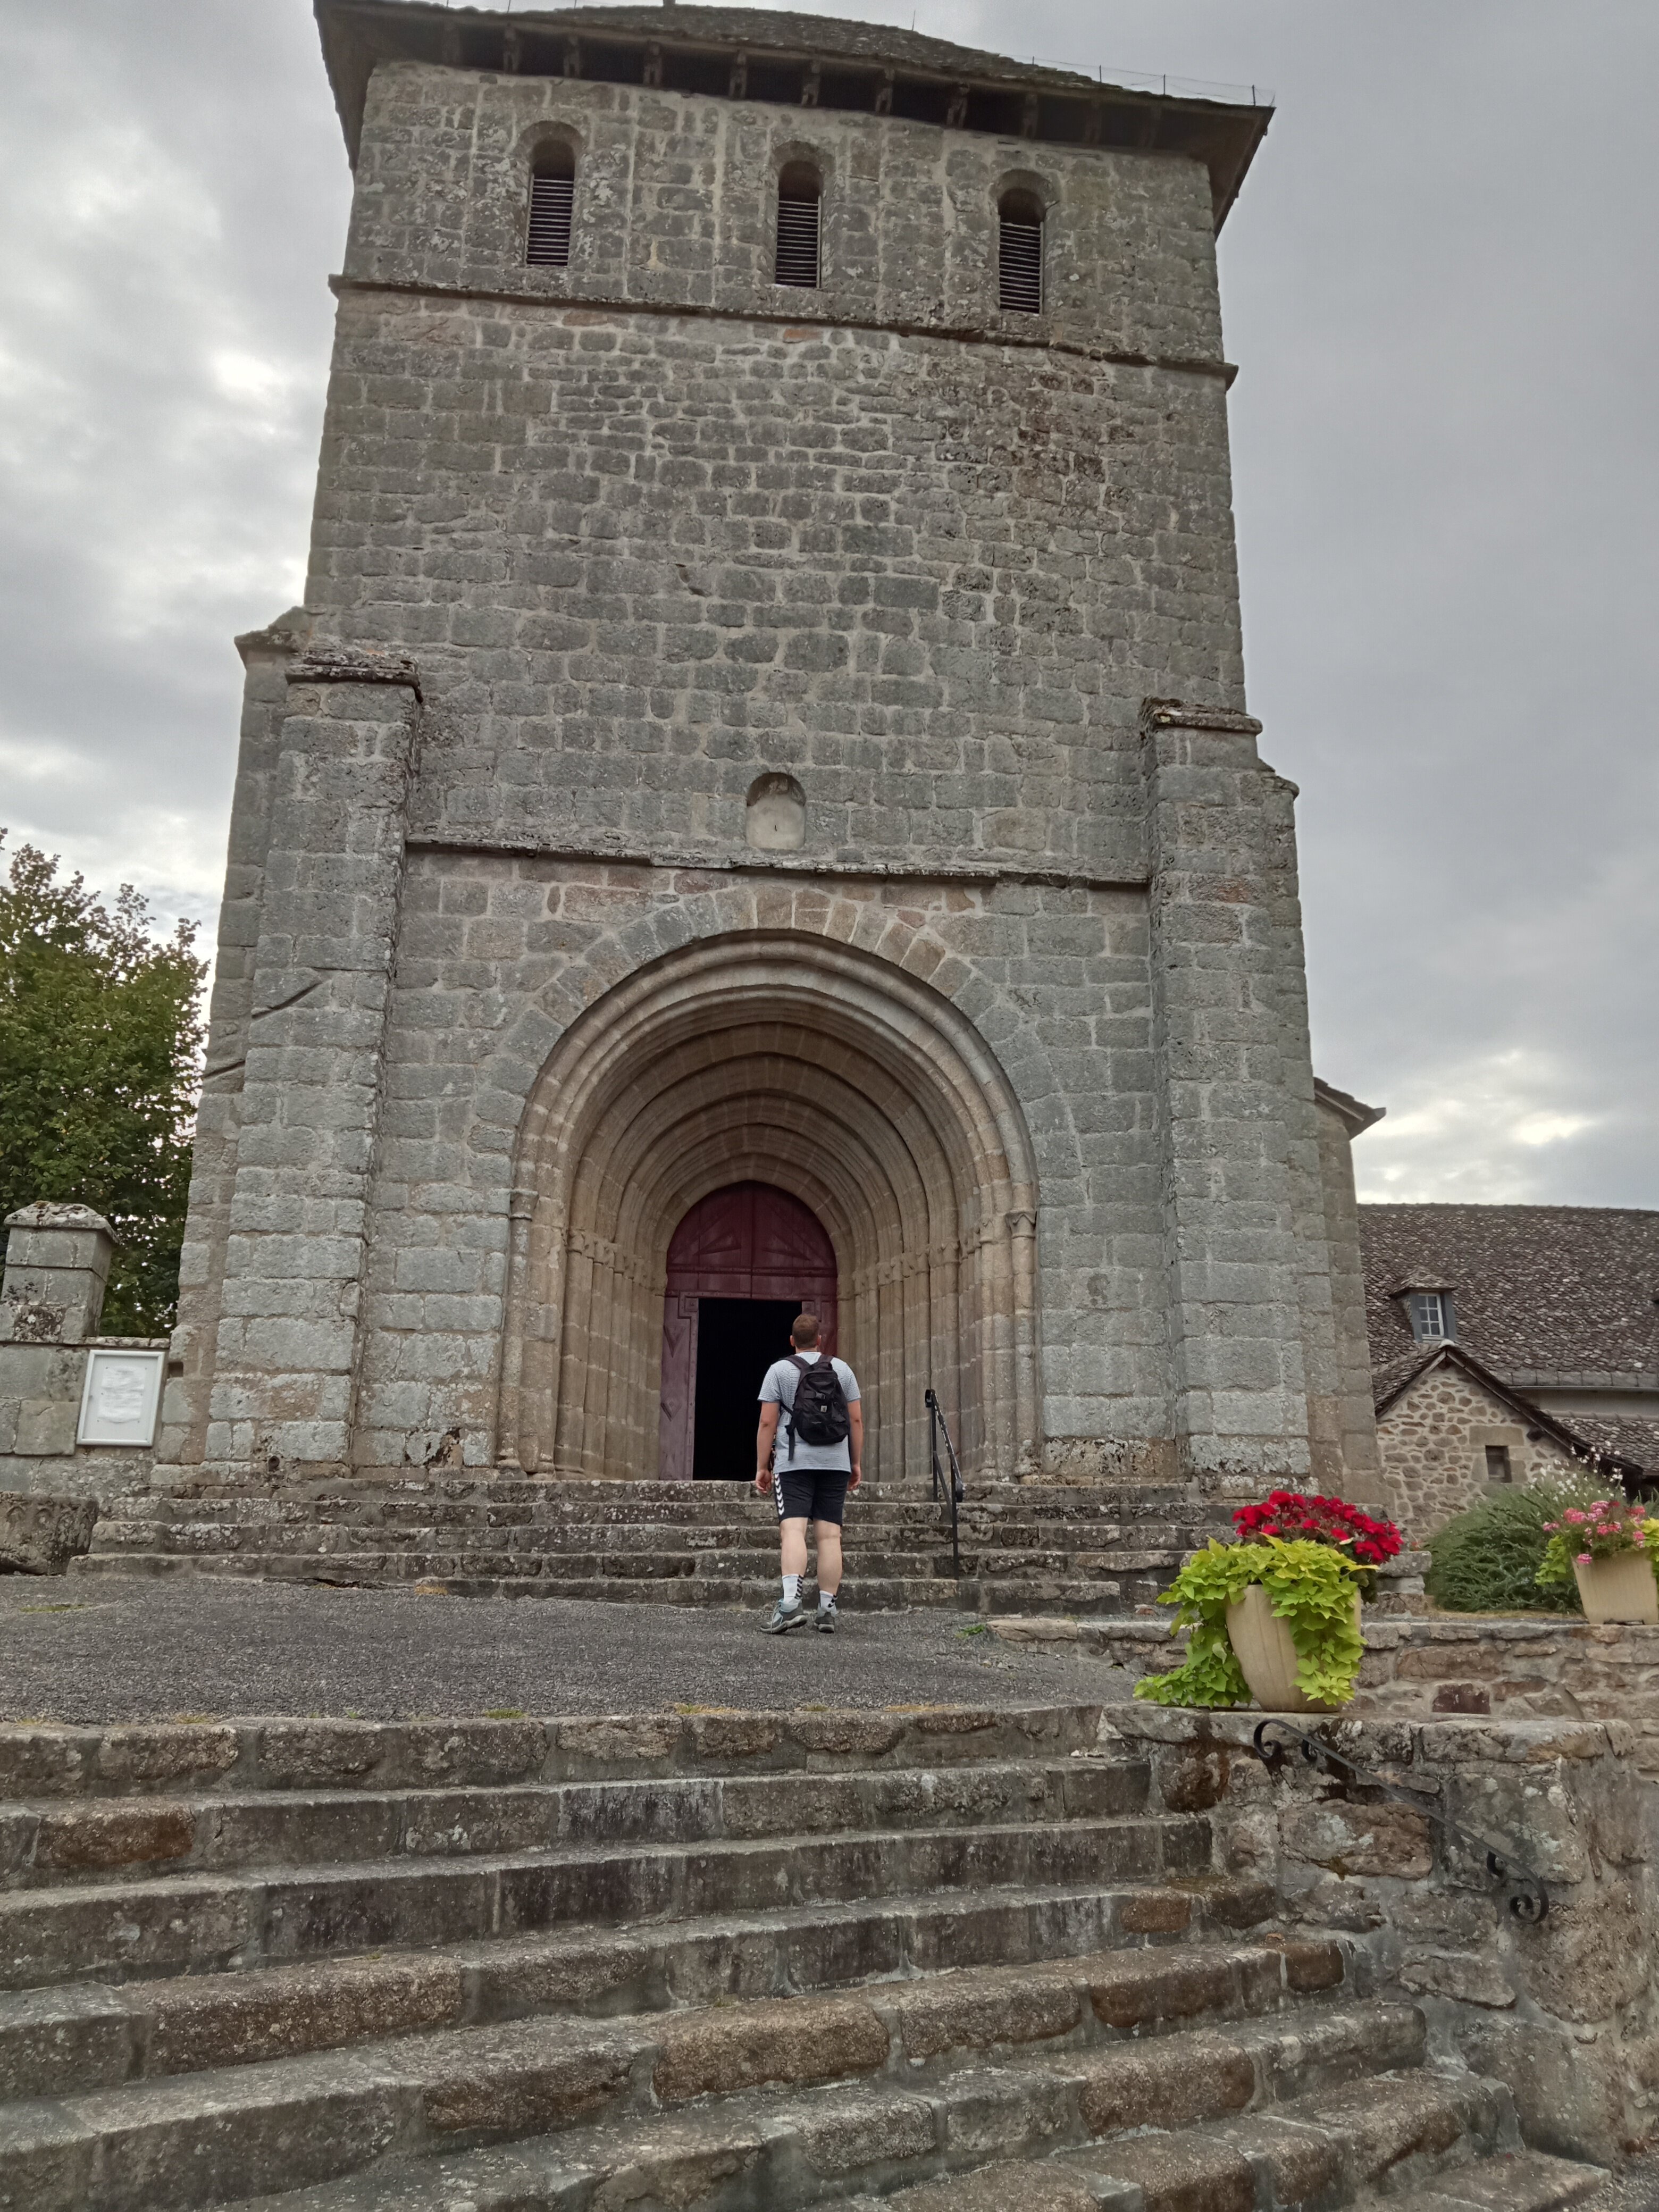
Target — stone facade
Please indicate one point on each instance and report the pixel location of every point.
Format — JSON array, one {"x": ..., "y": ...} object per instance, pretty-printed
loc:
[
  {"x": 1434, "y": 1438},
  {"x": 503, "y": 985}
]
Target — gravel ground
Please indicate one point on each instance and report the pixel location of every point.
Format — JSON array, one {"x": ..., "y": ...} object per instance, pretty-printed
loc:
[{"x": 137, "y": 1650}]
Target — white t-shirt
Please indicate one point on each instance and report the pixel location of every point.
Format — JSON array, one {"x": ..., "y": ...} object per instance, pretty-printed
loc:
[{"x": 778, "y": 1389}]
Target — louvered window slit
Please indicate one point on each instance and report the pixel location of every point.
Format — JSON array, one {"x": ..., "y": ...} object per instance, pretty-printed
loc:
[
  {"x": 1020, "y": 267},
  {"x": 551, "y": 203},
  {"x": 798, "y": 243}
]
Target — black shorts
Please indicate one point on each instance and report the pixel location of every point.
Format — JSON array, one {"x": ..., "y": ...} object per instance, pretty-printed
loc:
[{"x": 811, "y": 1494}]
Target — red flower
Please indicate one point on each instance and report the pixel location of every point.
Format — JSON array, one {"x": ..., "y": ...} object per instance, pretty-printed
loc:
[{"x": 1288, "y": 1513}]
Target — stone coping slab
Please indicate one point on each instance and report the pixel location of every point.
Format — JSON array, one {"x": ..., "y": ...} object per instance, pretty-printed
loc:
[{"x": 1518, "y": 1668}]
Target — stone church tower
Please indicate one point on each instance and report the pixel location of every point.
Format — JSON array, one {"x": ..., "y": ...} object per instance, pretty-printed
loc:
[{"x": 758, "y": 803}]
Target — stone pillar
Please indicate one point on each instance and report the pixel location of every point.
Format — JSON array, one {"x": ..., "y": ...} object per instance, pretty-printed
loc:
[
  {"x": 57, "y": 1259},
  {"x": 182, "y": 1440},
  {"x": 58, "y": 1263},
  {"x": 287, "y": 1350},
  {"x": 1340, "y": 1119},
  {"x": 1238, "y": 1379}
]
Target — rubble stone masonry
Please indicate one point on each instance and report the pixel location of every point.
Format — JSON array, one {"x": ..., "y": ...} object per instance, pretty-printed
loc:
[{"x": 1433, "y": 1441}]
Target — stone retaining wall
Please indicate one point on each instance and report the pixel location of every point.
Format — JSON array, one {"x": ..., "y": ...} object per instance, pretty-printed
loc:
[
  {"x": 1562, "y": 2010},
  {"x": 1518, "y": 1668}
]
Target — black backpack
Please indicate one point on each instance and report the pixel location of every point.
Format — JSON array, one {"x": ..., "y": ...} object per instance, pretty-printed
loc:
[{"x": 819, "y": 1415}]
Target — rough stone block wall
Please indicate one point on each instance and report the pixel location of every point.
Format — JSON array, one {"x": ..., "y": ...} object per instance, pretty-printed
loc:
[
  {"x": 1433, "y": 1444},
  {"x": 1562, "y": 2009},
  {"x": 646, "y": 553}
]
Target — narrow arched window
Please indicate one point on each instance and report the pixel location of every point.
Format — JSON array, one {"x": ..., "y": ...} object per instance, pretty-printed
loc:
[
  {"x": 1019, "y": 253},
  {"x": 552, "y": 197},
  {"x": 800, "y": 199}
]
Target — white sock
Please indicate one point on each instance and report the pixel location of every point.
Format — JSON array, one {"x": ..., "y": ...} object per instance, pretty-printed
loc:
[
  {"x": 792, "y": 1589},
  {"x": 826, "y": 1599}
]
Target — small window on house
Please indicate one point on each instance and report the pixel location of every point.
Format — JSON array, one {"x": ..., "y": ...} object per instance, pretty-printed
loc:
[
  {"x": 1430, "y": 1313},
  {"x": 1498, "y": 1463},
  {"x": 800, "y": 201},
  {"x": 552, "y": 198},
  {"x": 1019, "y": 253}
]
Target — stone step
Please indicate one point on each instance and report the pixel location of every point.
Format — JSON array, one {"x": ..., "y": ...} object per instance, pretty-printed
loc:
[
  {"x": 171, "y": 1758},
  {"x": 1350, "y": 2147},
  {"x": 201, "y": 2138},
  {"x": 1046, "y": 1544},
  {"x": 54, "y": 2042},
  {"x": 1065, "y": 1499},
  {"x": 198, "y": 1924},
  {"x": 1104, "y": 1597},
  {"x": 671, "y": 1505},
  {"x": 398, "y": 1571},
  {"x": 89, "y": 1838},
  {"x": 1506, "y": 2181},
  {"x": 794, "y": 2154},
  {"x": 510, "y": 1553}
]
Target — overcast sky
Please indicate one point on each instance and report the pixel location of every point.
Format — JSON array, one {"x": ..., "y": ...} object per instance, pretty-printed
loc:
[{"x": 1439, "y": 282}]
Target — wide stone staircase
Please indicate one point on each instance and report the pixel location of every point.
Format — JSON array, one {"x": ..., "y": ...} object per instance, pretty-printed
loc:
[
  {"x": 1024, "y": 1547},
  {"x": 945, "y": 1960}
]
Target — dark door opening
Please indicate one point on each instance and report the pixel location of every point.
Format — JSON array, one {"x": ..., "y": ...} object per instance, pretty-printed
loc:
[
  {"x": 747, "y": 1249},
  {"x": 737, "y": 1340}
]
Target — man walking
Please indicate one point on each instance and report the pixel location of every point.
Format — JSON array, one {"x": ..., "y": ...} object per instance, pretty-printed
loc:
[{"x": 820, "y": 1460}]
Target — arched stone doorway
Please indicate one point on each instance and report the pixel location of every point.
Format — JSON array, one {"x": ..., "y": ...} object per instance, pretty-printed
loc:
[
  {"x": 779, "y": 1058},
  {"x": 741, "y": 1264}
]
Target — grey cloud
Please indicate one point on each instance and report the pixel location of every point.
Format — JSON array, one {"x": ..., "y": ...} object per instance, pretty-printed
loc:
[{"x": 1438, "y": 285}]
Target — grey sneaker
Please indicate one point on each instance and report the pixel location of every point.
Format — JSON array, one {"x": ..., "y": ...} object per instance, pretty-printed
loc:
[
  {"x": 827, "y": 1618},
  {"x": 786, "y": 1617}
]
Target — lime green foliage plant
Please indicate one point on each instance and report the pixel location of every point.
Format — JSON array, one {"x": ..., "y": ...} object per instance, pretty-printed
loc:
[
  {"x": 1311, "y": 1588},
  {"x": 1601, "y": 1530},
  {"x": 1486, "y": 1560}
]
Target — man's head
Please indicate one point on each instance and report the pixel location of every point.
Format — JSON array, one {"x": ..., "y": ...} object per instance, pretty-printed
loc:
[{"x": 804, "y": 1331}]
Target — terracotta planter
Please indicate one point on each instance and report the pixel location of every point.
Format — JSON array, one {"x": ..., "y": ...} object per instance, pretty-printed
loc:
[
  {"x": 1619, "y": 1588},
  {"x": 1266, "y": 1657}
]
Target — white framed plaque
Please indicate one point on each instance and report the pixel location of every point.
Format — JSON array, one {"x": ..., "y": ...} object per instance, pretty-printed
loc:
[{"x": 121, "y": 1397}]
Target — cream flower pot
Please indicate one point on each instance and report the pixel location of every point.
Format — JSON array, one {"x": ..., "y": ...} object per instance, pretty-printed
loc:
[
  {"x": 1619, "y": 1588},
  {"x": 1266, "y": 1657}
]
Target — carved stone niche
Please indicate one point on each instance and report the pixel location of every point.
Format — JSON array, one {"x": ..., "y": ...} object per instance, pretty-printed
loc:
[{"x": 776, "y": 819}]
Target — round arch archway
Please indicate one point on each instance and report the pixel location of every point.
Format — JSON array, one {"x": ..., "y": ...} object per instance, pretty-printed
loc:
[{"x": 773, "y": 1058}]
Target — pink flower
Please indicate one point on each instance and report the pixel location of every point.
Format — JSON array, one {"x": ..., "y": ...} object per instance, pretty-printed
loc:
[
  {"x": 1573, "y": 1515},
  {"x": 1583, "y": 1558},
  {"x": 1606, "y": 1528},
  {"x": 1549, "y": 1527}
]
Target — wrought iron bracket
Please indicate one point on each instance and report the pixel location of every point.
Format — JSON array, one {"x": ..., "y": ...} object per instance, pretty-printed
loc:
[{"x": 1527, "y": 1898}]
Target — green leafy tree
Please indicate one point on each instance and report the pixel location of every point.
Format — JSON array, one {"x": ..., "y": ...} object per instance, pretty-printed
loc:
[{"x": 100, "y": 1054}]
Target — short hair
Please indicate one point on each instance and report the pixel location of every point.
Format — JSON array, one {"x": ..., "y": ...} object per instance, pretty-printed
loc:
[{"x": 804, "y": 1330}]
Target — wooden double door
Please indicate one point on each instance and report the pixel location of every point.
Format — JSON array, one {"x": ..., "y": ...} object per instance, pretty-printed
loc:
[{"x": 741, "y": 1264}]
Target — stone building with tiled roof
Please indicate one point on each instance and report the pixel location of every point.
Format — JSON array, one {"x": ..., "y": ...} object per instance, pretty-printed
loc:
[{"x": 1509, "y": 1342}]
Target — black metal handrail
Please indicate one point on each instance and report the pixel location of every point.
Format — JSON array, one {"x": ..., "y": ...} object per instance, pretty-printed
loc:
[
  {"x": 955, "y": 1491},
  {"x": 1528, "y": 1900}
]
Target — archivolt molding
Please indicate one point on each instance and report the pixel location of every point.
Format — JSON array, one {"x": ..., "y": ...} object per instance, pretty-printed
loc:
[{"x": 777, "y": 1057}]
